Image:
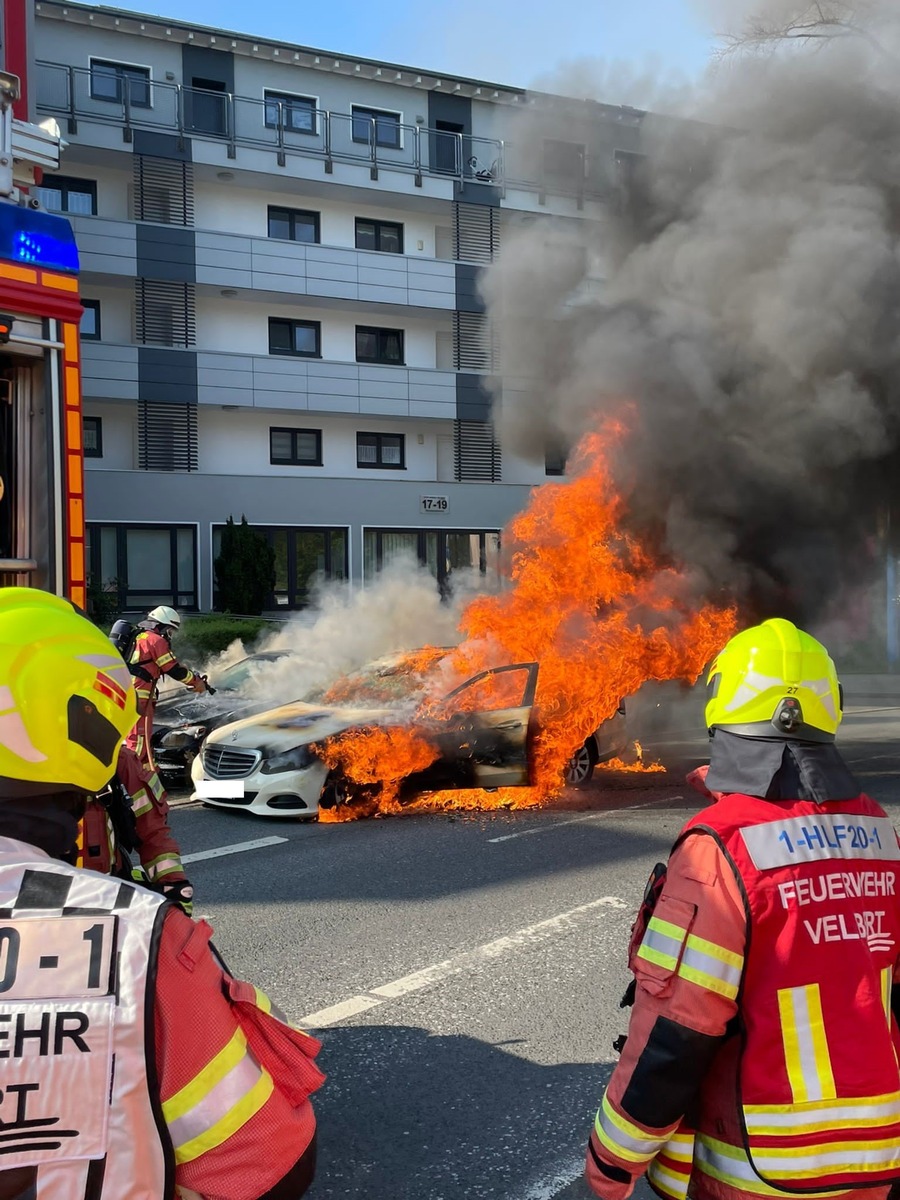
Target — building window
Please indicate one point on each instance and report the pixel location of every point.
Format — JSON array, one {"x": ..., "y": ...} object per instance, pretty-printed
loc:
[
  {"x": 374, "y": 345},
  {"x": 295, "y": 447},
  {"x": 293, "y": 225},
  {"x": 296, "y": 113},
  {"x": 387, "y": 450},
  {"x": 93, "y": 437},
  {"x": 386, "y": 236},
  {"x": 555, "y": 460},
  {"x": 372, "y": 125},
  {"x": 302, "y": 556},
  {"x": 295, "y": 337},
  {"x": 440, "y": 551},
  {"x": 90, "y": 320},
  {"x": 63, "y": 194},
  {"x": 563, "y": 161},
  {"x": 117, "y": 82},
  {"x": 144, "y": 565}
]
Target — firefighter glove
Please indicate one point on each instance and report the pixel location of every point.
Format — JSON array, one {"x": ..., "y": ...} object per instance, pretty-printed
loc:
[{"x": 180, "y": 892}]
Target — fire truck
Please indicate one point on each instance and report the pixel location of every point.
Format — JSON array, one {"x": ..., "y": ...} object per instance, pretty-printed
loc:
[{"x": 42, "y": 535}]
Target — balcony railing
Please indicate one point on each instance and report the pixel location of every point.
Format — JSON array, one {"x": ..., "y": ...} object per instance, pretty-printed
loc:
[{"x": 242, "y": 121}]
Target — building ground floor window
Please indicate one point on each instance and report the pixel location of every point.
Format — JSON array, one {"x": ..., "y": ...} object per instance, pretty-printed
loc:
[
  {"x": 302, "y": 555},
  {"x": 140, "y": 566},
  {"x": 441, "y": 551}
]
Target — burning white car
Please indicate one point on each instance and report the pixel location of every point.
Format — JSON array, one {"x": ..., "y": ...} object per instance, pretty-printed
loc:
[{"x": 267, "y": 764}]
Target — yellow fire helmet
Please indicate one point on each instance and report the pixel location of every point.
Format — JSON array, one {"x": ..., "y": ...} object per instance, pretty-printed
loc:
[
  {"x": 66, "y": 700},
  {"x": 774, "y": 680}
]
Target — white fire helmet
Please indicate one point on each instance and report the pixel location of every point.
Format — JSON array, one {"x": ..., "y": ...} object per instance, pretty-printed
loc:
[{"x": 164, "y": 615}]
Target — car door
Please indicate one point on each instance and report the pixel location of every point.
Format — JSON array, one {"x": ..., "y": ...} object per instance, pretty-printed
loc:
[{"x": 483, "y": 731}]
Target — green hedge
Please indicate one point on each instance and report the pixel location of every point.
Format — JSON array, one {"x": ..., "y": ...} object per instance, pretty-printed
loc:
[{"x": 204, "y": 636}]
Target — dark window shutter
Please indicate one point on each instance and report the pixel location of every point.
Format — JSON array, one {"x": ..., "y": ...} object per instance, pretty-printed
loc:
[
  {"x": 476, "y": 452},
  {"x": 164, "y": 313},
  {"x": 167, "y": 436},
  {"x": 474, "y": 343},
  {"x": 476, "y": 232},
  {"x": 163, "y": 190}
]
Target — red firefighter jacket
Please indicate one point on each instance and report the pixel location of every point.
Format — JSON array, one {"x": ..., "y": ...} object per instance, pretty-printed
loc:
[
  {"x": 151, "y": 658},
  {"x": 234, "y": 1075},
  {"x": 159, "y": 853},
  {"x": 767, "y": 965}
]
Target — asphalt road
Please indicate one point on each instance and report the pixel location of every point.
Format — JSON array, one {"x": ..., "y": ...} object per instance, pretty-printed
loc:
[{"x": 463, "y": 971}]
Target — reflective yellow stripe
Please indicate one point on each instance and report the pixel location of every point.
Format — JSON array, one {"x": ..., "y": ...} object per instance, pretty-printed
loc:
[
  {"x": 714, "y": 950},
  {"x": 887, "y": 982},
  {"x": 262, "y": 1001},
  {"x": 806, "y": 1055},
  {"x": 204, "y": 1081},
  {"x": 657, "y": 956},
  {"x": 233, "y": 1120}
]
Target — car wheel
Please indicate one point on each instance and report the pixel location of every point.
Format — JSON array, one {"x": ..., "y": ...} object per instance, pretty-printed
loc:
[{"x": 580, "y": 766}]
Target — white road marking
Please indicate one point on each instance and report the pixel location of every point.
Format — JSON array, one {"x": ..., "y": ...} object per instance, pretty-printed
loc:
[
  {"x": 553, "y": 1182},
  {"x": 470, "y": 959},
  {"x": 338, "y": 1012},
  {"x": 508, "y": 837},
  {"x": 237, "y": 848}
]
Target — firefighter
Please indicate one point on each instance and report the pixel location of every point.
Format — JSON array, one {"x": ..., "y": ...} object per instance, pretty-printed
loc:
[
  {"x": 151, "y": 658},
  {"x": 131, "y": 816},
  {"x": 762, "y": 1050},
  {"x": 157, "y": 1072}
]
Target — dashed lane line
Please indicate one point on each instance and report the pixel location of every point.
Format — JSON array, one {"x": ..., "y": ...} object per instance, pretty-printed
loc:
[
  {"x": 469, "y": 960},
  {"x": 508, "y": 837},
  {"x": 236, "y": 848}
]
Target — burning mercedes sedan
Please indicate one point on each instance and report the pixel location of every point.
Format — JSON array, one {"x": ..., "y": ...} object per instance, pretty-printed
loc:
[{"x": 288, "y": 761}]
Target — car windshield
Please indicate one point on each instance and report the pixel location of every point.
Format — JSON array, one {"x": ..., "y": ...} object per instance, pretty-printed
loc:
[
  {"x": 233, "y": 678},
  {"x": 387, "y": 681}
]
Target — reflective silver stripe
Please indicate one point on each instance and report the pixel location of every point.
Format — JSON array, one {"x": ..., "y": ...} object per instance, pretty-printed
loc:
[
  {"x": 662, "y": 942},
  {"x": 733, "y": 1167},
  {"x": 803, "y": 1117},
  {"x": 620, "y": 1136},
  {"x": 708, "y": 964},
  {"x": 667, "y": 1182},
  {"x": 217, "y": 1103},
  {"x": 788, "y": 1163}
]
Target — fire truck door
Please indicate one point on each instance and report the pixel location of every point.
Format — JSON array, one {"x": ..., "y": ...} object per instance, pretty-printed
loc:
[
  {"x": 26, "y": 538},
  {"x": 7, "y": 464}
]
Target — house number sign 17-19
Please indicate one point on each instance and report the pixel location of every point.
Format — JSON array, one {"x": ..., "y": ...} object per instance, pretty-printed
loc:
[{"x": 434, "y": 504}]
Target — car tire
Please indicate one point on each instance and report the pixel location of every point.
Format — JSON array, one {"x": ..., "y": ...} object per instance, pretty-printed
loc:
[{"x": 580, "y": 767}]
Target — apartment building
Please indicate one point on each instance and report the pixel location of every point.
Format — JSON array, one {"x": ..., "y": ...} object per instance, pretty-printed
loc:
[{"x": 280, "y": 252}]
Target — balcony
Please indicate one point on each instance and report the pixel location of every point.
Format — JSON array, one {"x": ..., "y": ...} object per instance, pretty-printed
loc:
[
  {"x": 237, "y": 122},
  {"x": 296, "y": 268},
  {"x": 316, "y": 385},
  {"x": 112, "y": 371}
]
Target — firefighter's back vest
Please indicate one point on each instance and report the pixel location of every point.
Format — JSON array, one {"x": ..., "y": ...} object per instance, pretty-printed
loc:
[
  {"x": 77, "y": 963},
  {"x": 818, "y": 1081}
]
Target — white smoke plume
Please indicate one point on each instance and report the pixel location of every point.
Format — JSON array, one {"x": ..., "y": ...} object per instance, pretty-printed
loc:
[
  {"x": 741, "y": 298},
  {"x": 344, "y": 629}
]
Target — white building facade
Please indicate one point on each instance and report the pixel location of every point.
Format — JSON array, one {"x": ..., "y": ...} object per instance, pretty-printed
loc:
[{"x": 280, "y": 251}]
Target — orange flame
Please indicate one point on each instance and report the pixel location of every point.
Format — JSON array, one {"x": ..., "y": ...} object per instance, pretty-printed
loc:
[
  {"x": 589, "y": 604},
  {"x": 638, "y": 766}
]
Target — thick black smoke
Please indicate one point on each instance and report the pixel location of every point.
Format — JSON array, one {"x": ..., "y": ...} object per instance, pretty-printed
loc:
[{"x": 745, "y": 299}]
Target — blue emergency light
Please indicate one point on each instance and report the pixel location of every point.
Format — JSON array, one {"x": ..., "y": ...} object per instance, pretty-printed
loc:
[{"x": 37, "y": 239}]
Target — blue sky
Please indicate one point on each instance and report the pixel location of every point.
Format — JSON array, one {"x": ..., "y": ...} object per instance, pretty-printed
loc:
[{"x": 505, "y": 41}]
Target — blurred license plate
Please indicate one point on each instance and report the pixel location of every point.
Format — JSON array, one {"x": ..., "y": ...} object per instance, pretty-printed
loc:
[{"x": 220, "y": 789}]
